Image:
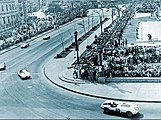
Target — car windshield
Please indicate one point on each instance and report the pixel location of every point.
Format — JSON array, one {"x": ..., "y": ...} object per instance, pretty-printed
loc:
[{"x": 125, "y": 105}]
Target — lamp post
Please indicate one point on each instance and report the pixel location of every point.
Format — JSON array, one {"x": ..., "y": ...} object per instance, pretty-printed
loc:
[
  {"x": 88, "y": 23},
  {"x": 76, "y": 46},
  {"x": 100, "y": 20},
  {"x": 24, "y": 10},
  {"x": 92, "y": 19},
  {"x": 99, "y": 45},
  {"x": 99, "y": 50},
  {"x": 102, "y": 13},
  {"x": 112, "y": 14}
]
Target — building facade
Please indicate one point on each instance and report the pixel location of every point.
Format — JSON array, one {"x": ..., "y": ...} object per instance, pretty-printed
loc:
[{"x": 8, "y": 14}]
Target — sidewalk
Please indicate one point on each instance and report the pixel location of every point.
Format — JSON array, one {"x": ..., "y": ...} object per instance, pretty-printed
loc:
[{"x": 134, "y": 92}]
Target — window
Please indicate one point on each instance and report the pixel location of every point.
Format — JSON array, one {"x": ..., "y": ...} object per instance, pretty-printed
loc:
[
  {"x": 14, "y": 16},
  {"x": 10, "y": 7},
  {"x": 0, "y": 24},
  {"x": 4, "y": 22},
  {"x": 19, "y": 1},
  {"x": 7, "y": 7},
  {"x": 2, "y": 8},
  {"x": 105, "y": 103},
  {"x": 12, "y": 19},
  {"x": 125, "y": 105},
  {"x": 20, "y": 8},
  {"x": 8, "y": 19}
]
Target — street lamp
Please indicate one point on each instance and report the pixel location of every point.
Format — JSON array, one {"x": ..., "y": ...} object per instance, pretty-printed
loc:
[
  {"x": 112, "y": 14},
  {"x": 92, "y": 19},
  {"x": 100, "y": 20},
  {"x": 102, "y": 12},
  {"x": 99, "y": 50},
  {"x": 76, "y": 46}
]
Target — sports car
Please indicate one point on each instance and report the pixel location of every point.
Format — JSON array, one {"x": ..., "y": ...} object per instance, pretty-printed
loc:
[
  {"x": 120, "y": 107},
  {"x": 23, "y": 74},
  {"x": 2, "y": 66},
  {"x": 24, "y": 45},
  {"x": 46, "y": 37}
]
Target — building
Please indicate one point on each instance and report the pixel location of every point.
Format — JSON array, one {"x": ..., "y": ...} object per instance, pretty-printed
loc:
[
  {"x": 21, "y": 7},
  {"x": 8, "y": 15}
]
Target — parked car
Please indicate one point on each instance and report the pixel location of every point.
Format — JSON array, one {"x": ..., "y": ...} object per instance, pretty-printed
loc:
[
  {"x": 46, "y": 37},
  {"x": 2, "y": 66},
  {"x": 120, "y": 107},
  {"x": 23, "y": 74},
  {"x": 24, "y": 45}
]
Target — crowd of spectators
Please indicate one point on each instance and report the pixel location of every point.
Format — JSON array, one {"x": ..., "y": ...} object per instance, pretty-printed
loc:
[
  {"x": 117, "y": 59},
  {"x": 133, "y": 62},
  {"x": 92, "y": 65},
  {"x": 34, "y": 26}
]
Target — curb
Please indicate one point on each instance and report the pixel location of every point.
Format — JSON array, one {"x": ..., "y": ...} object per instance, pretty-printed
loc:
[
  {"x": 95, "y": 96},
  {"x": 135, "y": 79},
  {"x": 70, "y": 80}
]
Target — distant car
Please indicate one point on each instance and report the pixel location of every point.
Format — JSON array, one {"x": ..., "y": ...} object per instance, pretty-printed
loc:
[
  {"x": 46, "y": 37},
  {"x": 120, "y": 107},
  {"x": 24, "y": 45},
  {"x": 23, "y": 74},
  {"x": 2, "y": 66}
]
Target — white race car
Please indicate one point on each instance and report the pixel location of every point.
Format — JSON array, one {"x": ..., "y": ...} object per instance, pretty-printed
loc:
[
  {"x": 2, "y": 66},
  {"x": 120, "y": 107},
  {"x": 23, "y": 74},
  {"x": 24, "y": 45},
  {"x": 46, "y": 37}
]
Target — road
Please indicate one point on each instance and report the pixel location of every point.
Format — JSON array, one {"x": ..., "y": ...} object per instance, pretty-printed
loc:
[{"x": 37, "y": 97}]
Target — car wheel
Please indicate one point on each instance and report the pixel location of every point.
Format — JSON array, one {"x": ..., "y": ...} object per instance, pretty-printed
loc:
[
  {"x": 118, "y": 110},
  {"x": 129, "y": 114},
  {"x": 106, "y": 110}
]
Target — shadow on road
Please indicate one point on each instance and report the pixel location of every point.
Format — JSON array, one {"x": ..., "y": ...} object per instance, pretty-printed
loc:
[{"x": 123, "y": 115}]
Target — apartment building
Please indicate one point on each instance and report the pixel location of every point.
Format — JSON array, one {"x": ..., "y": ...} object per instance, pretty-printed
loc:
[{"x": 8, "y": 14}]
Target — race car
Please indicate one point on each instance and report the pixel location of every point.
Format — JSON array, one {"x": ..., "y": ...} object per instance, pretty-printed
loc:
[
  {"x": 46, "y": 37},
  {"x": 2, "y": 66},
  {"x": 24, "y": 45},
  {"x": 23, "y": 74},
  {"x": 120, "y": 107}
]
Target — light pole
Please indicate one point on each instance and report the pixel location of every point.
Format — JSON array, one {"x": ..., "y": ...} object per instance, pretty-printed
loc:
[
  {"x": 99, "y": 50},
  {"x": 24, "y": 10},
  {"x": 112, "y": 13},
  {"x": 76, "y": 46},
  {"x": 92, "y": 19},
  {"x": 102, "y": 12},
  {"x": 84, "y": 26},
  {"x": 100, "y": 20},
  {"x": 62, "y": 42},
  {"x": 88, "y": 23}
]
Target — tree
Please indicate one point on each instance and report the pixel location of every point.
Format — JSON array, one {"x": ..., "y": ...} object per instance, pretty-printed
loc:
[{"x": 54, "y": 8}]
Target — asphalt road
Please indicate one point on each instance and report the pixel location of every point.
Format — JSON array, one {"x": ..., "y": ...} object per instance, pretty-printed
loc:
[{"x": 37, "y": 97}]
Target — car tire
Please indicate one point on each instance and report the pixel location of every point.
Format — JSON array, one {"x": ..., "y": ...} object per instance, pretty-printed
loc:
[
  {"x": 118, "y": 110},
  {"x": 106, "y": 110},
  {"x": 129, "y": 114}
]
